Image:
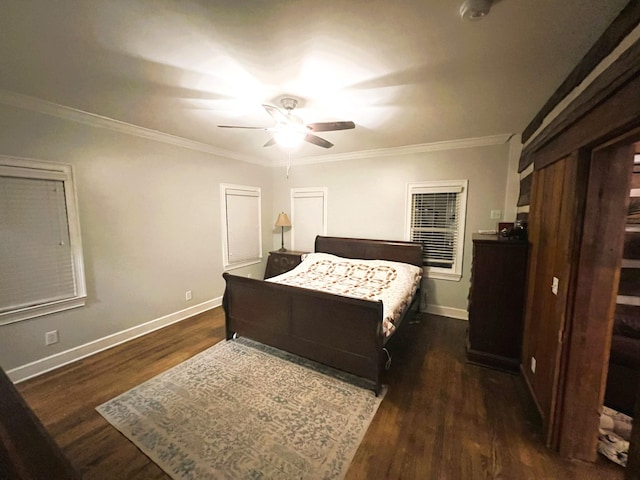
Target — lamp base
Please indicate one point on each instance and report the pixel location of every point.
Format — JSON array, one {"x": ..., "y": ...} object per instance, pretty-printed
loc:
[{"x": 282, "y": 249}]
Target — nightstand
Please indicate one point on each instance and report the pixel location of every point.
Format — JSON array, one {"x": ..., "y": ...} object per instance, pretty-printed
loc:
[{"x": 280, "y": 262}]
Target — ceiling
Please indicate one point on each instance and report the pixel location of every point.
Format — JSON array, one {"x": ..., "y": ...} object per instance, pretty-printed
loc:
[{"x": 406, "y": 72}]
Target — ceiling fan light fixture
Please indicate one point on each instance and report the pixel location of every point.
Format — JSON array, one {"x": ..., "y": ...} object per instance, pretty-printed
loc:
[
  {"x": 473, "y": 10},
  {"x": 288, "y": 137},
  {"x": 289, "y": 103},
  {"x": 290, "y": 130}
]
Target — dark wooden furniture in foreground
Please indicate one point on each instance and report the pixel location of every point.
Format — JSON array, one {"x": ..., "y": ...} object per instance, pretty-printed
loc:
[
  {"x": 281, "y": 262},
  {"x": 442, "y": 417},
  {"x": 27, "y": 452},
  {"x": 342, "y": 332},
  {"x": 496, "y": 301}
]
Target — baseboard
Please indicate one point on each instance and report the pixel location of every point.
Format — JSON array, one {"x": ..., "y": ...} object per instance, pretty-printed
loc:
[
  {"x": 33, "y": 369},
  {"x": 532, "y": 395},
  {"x": 458, "y": 313},
  {"x": 484, "y": 359}
]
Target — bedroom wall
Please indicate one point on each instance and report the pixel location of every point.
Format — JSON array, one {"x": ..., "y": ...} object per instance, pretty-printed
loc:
[
  {"x": 366, "y": 198},
  {"x": 150, "y": 222}
]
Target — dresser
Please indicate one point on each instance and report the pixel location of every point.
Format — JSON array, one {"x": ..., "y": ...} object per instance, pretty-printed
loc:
[
  {"x": 496, "y": 301},
  {"x": 280, "y": 262}
]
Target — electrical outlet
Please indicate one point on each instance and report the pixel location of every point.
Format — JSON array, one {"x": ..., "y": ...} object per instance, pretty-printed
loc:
[
  {"x": 554, "y": 285},
  {"x": 187, "y": 295},
  {"x": 51, "y": 337},
  {"x": 496, "y": 214},
  {"x": 533, "y": 364}
]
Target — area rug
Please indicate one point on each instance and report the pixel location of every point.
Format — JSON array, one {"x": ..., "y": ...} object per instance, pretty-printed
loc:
[{"x": 242, "y": 410}]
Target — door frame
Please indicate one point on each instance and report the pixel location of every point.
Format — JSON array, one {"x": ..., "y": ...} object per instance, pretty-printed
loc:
[{"x": 597, "y": 272}]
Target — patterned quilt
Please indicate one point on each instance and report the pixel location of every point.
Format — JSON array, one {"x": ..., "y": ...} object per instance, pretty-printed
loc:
[{"x": 392, "y": 282}]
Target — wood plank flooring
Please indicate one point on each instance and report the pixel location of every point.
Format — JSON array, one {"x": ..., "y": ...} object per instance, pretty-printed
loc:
[{"x": 441, "y": 418}]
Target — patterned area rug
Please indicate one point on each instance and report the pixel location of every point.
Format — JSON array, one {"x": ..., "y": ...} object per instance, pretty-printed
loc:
[{"x": 242, "y": 410}]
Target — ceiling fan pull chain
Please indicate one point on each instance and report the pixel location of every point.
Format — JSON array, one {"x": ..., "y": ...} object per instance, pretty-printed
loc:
[{"x": 288, "y": 162}]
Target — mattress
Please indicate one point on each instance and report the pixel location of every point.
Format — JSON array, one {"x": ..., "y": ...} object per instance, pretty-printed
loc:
[{"x": 393, "y": 283}]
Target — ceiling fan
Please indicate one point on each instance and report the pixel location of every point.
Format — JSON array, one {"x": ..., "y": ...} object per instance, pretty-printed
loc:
[{"x": 290, "y": 130}]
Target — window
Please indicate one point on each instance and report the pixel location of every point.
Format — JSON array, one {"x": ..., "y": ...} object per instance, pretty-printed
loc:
[
  {"x": 241, "y": 225},
  {"x": 40, "y": 246},
  {"x": 308, "y": 217},
  {"x": 436, "y": 218}
]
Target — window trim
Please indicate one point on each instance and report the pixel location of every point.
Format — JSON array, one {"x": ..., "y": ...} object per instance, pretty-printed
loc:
[
  {"x": 226, "y": 263},
  {"x": 29, "y": 168},
  {"x": 455, "y": 186}
]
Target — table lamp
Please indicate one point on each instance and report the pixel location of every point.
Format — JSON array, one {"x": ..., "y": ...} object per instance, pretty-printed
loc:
[{"x": 283, "y": 221}]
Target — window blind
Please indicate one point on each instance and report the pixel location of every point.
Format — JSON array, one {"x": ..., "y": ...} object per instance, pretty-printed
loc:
[
  {"x": 35, "y": 250},
  {"x": 308, "y": 209},
  {"x": 242, "y": 225},
  {"x": 434, "y": 223}
]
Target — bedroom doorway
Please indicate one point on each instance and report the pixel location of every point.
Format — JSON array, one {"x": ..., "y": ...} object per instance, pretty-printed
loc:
[
  {"x": 592, "y": 139},
  {"x": 586, "y": 340}
]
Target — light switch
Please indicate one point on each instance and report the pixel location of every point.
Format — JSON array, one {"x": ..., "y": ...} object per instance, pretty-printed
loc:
[
  {"x": 554, "y": 286},
  {"x": 533, "y": 364}
]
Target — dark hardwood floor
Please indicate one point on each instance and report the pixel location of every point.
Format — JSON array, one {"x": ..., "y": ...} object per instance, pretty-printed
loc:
[{"x": 441, "y": 418}]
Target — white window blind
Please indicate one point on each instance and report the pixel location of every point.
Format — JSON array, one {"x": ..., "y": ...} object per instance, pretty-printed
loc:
[
  {"x": 241, "y": 225},
  {"x": 308, "y": 217},
  {"x": 40, "y": 255},
  {"x": 436, "y": 219}
]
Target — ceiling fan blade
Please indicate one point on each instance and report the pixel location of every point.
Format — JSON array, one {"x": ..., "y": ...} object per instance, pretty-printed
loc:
[
  {"x": 270, "y": 143},
  {"x": 275, "y": 112},
  {"x": 239, "y": 126},
  {"x": 321, "y": 142},
  {"x": 330, "y": 126}
]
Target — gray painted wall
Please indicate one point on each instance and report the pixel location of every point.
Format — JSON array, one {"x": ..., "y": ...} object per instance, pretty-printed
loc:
[
  {"x": 367, "y": 197},
  {"x": 150, "y": 222}
]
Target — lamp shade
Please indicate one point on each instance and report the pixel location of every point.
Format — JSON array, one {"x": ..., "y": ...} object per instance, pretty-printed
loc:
[{"x": 283, "y": 220}]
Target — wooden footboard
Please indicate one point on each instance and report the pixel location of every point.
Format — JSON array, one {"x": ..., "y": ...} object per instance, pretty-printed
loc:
[{"x": 342, "y": 332}]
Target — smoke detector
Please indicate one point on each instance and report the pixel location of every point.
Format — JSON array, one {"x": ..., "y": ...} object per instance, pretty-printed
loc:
[{"x": 475, "y": 9}]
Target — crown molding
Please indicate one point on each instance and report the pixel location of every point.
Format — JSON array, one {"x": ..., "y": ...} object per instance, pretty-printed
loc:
[
  {"x": 408, "y": 149},
  {"x": 26, "y": 102},
  {"x": 45, "y": 107}
]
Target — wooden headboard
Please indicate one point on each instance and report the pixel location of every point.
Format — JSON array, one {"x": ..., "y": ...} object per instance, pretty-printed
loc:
[{"x": 396, "y": 251}]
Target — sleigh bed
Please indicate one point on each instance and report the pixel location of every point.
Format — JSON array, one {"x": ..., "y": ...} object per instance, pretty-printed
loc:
[{"x": 342, "y": 332}]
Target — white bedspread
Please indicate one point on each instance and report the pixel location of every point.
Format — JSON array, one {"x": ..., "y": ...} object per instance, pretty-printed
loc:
[{"x": 392, "y": 282}]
